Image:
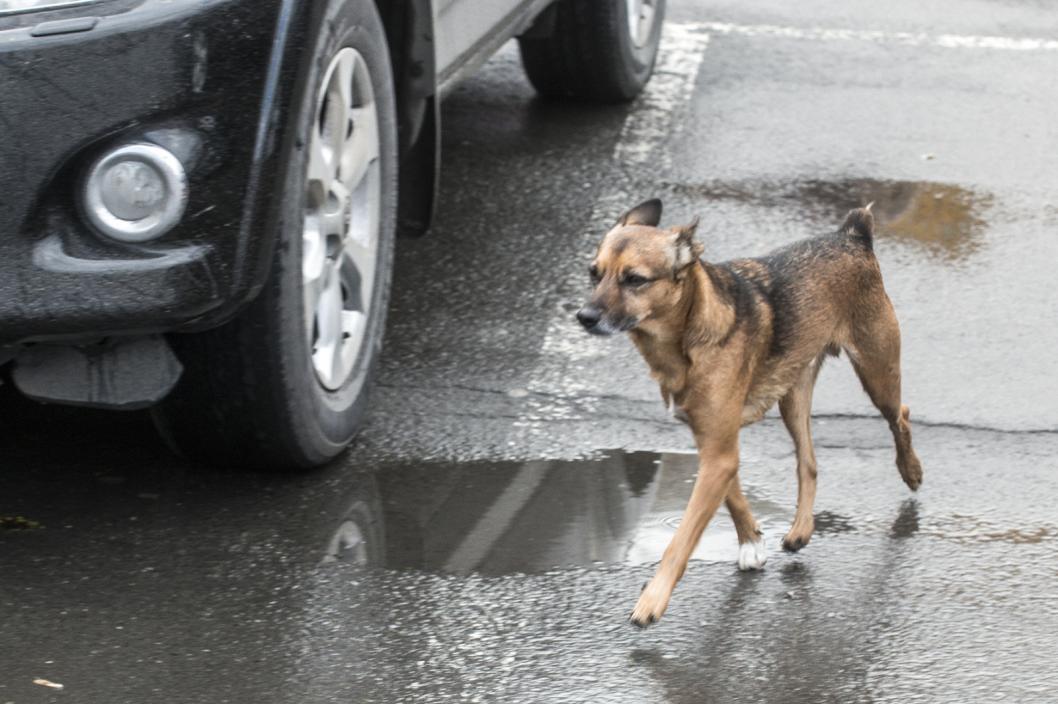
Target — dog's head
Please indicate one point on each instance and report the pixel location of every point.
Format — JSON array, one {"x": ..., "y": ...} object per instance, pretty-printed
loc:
[{"x": 638, "y": 272}]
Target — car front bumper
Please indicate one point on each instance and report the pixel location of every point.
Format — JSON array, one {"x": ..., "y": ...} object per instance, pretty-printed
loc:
[{"x": 215, "y": 82}]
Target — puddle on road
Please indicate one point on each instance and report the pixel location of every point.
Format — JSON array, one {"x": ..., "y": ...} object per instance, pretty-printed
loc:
[
  {"x": 971, "y": 529},
  {"x": 504, "y": 517},
  {"x": 496, "y": 518},
  {"x": 946, "y": 219},
  {"x": 18, "y": 523}
]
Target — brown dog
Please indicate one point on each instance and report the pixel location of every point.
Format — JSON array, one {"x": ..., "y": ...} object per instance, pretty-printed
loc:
[{"x": 726, "y": 341}]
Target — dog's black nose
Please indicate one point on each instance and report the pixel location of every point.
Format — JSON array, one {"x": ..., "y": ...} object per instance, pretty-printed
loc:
[{"x": 589, "y": 316}]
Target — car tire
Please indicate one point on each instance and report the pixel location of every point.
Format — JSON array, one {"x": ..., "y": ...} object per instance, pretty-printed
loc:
[
  {"x": 285, "y": 384},
  {"x": 592, "y": 50}
]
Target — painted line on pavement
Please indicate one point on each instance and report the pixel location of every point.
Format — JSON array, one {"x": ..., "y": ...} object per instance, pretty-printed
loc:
[
  {"x": 945, "y": 41},
  {"x": 566, "y": 350}
]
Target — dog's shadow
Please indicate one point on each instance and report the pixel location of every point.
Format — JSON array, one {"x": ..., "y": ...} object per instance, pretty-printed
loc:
[
  {"x": 689, "y": 683},
  {"x": 778, "y": 659}
]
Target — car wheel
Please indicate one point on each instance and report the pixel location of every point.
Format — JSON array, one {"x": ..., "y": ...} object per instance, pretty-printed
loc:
[
  {"x": 601, "y": 50},
  {"x": 285, "y": 384},
  {"x": 358, "y": 536}
]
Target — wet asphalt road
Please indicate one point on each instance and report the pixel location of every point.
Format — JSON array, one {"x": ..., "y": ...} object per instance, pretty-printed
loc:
[{"x": 487, "y": 536}]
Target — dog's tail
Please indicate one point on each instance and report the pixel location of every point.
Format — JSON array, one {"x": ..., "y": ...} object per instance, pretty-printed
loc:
[{"x": 859, "y": 225}]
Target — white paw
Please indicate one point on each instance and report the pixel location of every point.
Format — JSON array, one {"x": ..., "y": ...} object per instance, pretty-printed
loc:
[{"x": 752, "y": 556}]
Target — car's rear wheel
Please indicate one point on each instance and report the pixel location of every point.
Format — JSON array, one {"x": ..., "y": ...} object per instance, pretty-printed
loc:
[
  {"x": 600, "y": 50},
  {"x": 285, "y": 384}
]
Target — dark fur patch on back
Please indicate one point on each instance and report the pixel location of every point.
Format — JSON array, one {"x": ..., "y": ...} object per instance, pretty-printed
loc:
[{"x": 779, "y": 281}]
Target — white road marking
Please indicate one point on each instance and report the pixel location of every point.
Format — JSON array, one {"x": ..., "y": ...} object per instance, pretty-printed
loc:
[
  {"x": 645, "y": 133},
  {"x": 946, "y": 41},
  {"x": 644, "y": 139},
  {"x": 479, "y": 541}
]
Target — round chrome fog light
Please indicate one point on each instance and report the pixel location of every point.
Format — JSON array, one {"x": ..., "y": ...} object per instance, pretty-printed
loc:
[{"x": 136, "y": 192}]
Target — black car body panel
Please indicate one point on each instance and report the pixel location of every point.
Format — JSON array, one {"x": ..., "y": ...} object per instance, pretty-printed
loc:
[
  {"x": 213, "y": 81},
  {"x": 219, "y": 84}
]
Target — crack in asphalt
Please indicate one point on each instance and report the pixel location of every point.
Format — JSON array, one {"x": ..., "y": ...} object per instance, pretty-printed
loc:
[
  {"x": 943, "y": 424},
  {"x": 625, "y": 399},
  {"x": 506, "y": 393}
]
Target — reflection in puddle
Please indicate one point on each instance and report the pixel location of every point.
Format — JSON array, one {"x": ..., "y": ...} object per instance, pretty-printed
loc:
[
  {"x": 946, "y": 219},
  {"x": 943, "y": 217},
  {"x": 530, "y": 517},
  {"x": 18, "y": 523},
  {"x": 906, "y": 524},
  {"x": 830, "y": 522},
  {"x": 497, "y": 518}
]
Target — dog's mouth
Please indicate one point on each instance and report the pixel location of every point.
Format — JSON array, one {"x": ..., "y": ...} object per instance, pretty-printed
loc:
[
  {"x": 604, "y": 326},
  {"x": 601, "y": 329}
]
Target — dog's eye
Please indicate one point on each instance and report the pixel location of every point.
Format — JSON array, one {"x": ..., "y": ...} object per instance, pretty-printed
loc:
[
  {"x": 635, "y": 280},
  {"x": 593, "y": 272}
]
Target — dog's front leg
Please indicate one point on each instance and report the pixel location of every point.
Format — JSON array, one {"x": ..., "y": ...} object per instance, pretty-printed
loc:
[{"x": 717, "y": 466}]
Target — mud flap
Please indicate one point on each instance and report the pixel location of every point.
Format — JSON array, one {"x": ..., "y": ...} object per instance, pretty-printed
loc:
[{"x": 119, "y": 374}]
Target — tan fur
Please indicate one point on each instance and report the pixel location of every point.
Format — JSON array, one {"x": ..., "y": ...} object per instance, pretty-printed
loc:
[{"x": 726, "y": 342}]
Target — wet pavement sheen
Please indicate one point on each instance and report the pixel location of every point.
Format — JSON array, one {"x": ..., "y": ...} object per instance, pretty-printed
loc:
[
  {"x": 511, "y": 581},
  {"x": 487, "y": 536}
]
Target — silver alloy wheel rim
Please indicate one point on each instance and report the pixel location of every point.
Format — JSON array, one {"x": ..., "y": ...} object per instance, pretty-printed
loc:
[
  {"x": 347, "y": 545},
  {"x": 340, "y": 232},
  {"x": 641, "y": 14}
]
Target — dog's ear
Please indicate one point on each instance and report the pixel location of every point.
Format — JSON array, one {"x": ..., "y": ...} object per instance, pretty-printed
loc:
[
  {"x": 688, "y": 249},
  {"x": 646, "y": 213}
]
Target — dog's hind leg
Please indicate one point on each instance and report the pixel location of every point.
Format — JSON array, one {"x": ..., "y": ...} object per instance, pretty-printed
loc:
[
  {"x": 751, "y": 551},
  {"x": 875, "y": 355},
  {"x": 796, "y": 410}
]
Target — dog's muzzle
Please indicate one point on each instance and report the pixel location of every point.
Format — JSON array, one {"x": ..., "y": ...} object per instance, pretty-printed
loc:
[{"x": 596, "y": 323}]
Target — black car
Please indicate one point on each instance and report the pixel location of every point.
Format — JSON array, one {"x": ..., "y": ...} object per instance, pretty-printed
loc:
[{"x": 199, "y": 198}]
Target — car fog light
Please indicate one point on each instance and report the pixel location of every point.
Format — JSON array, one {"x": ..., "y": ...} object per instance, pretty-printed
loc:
[{"x": 136, "y": 192}]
